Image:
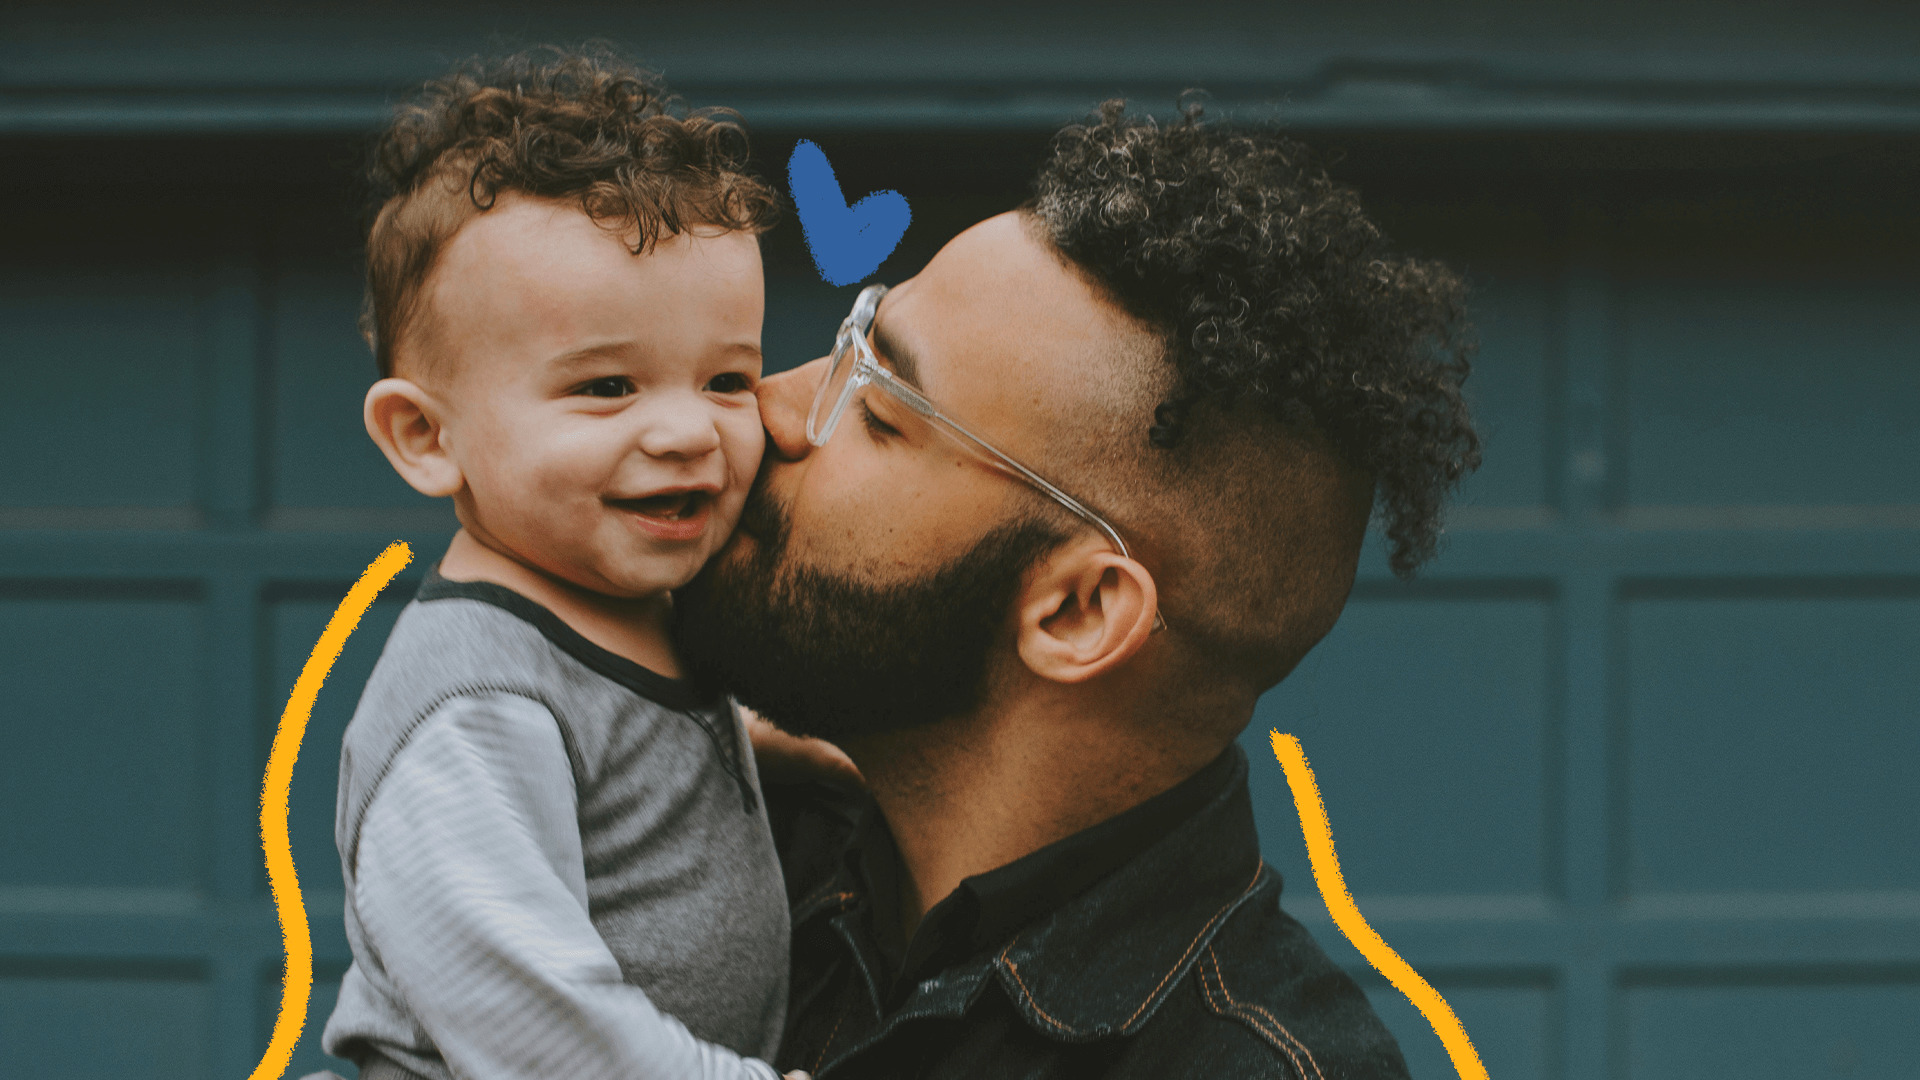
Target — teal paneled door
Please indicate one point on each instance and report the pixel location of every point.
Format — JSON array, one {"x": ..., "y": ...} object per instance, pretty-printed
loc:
[
  {"x": 187, "y": 496},
  {"x": 1628, "y": 774}
]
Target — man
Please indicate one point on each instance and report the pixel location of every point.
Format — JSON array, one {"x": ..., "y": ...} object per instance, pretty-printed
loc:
[{"x": 1029, "y": 545}]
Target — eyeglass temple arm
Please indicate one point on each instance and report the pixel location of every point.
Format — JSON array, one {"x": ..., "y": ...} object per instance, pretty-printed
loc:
[
  {"x": 857, "y": 322},
  {"x": 914, "y": 400},
  {"x": 954, "y": 427}
]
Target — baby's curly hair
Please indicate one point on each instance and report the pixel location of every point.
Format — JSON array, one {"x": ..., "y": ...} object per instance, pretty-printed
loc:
[
  {"x": 576, "y": 124},
  {"x": 1273, "y": 288}
]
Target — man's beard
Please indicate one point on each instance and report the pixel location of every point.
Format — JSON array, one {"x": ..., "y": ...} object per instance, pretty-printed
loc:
[{"x": 824, "y": 655}]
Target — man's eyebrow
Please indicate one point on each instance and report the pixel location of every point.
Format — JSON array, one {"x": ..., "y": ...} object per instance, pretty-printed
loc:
[{"x": 900, "y": 358}]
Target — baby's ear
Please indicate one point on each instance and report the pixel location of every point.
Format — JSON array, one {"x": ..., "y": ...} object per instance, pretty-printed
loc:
[{"x": 405, "y": 422}]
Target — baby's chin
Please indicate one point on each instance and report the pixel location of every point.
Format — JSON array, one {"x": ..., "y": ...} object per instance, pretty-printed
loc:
[
  {"x": 657, "y": 574},
  {"x": 621, "y": 577}
]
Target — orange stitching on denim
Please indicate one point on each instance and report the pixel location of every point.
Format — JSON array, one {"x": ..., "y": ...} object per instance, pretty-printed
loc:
[
  {"x": 1239, "y": 1012},
  {"x": 1228, "y": 994},
  {"x": 1206, "y": 987},
  {"x": 1283, "y": 1030},
  {"x": 1014, "y": 970},
  {"x": 828, "y": 1045},
  {"x": 1262, "y": 865},
  {"x": 821, "y": 894},
  {"x": 1220, "y": 975}
]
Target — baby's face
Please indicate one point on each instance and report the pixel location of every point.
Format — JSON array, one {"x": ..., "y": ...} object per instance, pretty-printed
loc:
[{"x": 600, "y": 405}]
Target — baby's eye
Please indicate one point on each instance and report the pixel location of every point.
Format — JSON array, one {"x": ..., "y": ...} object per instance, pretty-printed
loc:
[
  {"x": 610, "y": 387},
  {"x": 729, "y": 382}
]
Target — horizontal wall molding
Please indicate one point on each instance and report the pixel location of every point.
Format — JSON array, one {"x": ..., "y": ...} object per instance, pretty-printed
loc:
[
  {"x": 91, "y": 66},
  {"x": 1413, "y": 102}
]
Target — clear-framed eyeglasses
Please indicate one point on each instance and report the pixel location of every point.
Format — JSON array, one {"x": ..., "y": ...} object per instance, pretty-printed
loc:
[{"x": 852, "y": 366}]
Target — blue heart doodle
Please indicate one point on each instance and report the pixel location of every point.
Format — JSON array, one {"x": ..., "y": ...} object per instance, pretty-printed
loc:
[{"x": 848, "y": 242}]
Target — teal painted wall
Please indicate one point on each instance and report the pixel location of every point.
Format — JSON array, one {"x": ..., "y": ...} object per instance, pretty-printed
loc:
[{"x": 1628, "y": 773}]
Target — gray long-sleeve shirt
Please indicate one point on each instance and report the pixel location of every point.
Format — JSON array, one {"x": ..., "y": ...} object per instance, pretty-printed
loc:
[{"x": 556, "y": 862}]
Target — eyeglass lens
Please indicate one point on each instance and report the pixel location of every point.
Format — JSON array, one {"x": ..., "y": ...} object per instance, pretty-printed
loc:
[{"x": 831, "y": 399}]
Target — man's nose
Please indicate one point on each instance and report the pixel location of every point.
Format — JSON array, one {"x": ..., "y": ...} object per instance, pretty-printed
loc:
[
  {"x": 784, "y": 401},
  {"x": 680, "y": 430}
]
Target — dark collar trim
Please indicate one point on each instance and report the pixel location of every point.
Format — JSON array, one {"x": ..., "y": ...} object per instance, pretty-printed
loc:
[
  {"x": 673, "y": 693},
  {"x": 680, "y": 695}
]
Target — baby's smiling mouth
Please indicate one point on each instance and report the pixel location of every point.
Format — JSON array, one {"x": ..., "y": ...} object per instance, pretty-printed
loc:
[
  {"x": 672, "y": 506},
  {"x": 675, "y": 515}
]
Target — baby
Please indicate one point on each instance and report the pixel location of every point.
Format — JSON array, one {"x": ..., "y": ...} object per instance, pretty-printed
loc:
[{"x": 556, "y": 859}]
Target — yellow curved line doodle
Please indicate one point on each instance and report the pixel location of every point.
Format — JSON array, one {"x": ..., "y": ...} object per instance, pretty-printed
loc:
[
  {"x": 298, "y": 986},
  {"x": 1346, "y": 914}
]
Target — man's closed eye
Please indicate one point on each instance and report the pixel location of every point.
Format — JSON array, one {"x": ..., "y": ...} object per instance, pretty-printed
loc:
[{"x": 875, "y": 426}]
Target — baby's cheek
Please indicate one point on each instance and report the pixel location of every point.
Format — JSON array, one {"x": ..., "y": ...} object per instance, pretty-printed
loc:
[{"x": 746, "y": 443}]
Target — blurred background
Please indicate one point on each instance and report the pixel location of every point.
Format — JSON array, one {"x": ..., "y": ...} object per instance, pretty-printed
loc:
[{"x": 1628, "y": 774}]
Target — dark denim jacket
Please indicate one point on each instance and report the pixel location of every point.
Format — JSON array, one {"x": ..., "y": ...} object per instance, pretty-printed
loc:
[{"x": 1180, "y": 963}]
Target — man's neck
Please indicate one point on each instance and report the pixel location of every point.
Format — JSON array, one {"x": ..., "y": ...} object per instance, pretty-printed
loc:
[
  {"x": 634, "y": 628},
  {"x": 975, "y": 793}
]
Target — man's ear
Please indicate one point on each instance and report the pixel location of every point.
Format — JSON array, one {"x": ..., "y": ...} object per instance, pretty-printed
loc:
[
  {"x": 1085, "y": 611},
  {"x": 406, "y": 423}
]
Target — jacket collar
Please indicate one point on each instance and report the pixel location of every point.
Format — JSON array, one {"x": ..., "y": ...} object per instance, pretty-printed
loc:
[{"x": 1102, "y": 963}]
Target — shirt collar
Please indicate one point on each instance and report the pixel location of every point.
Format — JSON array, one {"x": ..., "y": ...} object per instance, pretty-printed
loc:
[
  {"x": 1023, "y": 891},
  {"x": 1085, "y": 933},
  {"x": 1103, "y": 962},
  {"x": 681, "y": 694}
]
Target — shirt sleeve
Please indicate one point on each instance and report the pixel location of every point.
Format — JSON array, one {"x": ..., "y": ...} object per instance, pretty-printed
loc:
[{"x": 471, "y": 888}]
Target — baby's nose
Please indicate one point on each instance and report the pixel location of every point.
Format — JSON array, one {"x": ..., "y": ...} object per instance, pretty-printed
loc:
[{"x": 680, "y": 432}]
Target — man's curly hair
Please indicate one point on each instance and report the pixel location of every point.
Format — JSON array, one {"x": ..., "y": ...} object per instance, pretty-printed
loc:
[
  {"x": 1271, "y": 287},
  {"x": 582, "y": 125}
]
